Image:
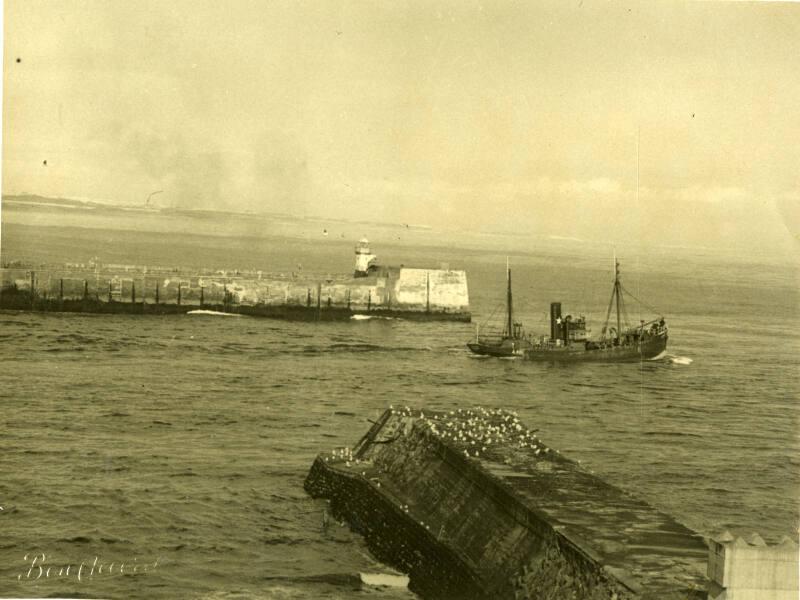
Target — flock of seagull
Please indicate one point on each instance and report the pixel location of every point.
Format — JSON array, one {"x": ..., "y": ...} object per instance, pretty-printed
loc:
[
  {"x": 345, "y": 454},
  {"x": 476, "y": 432}
]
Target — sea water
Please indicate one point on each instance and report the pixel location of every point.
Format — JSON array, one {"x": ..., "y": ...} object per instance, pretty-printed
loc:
[{"x": 170, "y": 451}]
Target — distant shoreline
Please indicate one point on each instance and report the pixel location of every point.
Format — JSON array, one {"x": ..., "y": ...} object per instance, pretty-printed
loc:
[{"x": 41, "y": 211}]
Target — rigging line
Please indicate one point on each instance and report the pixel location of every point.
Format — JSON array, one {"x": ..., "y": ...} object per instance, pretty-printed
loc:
[
  {"x": 608, "y": 314},
  {"x": 655, "y": 310},
  {"x": 489, "y": 318},
  {"x": 624, "y": 311}
]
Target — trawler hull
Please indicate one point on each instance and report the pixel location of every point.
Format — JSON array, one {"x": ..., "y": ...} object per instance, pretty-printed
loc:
[
  {"x": 636, "y": 351},
  {"x": 506, "y": 347}
]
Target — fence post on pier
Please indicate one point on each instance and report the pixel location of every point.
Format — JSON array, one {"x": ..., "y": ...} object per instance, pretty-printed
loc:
[
  {"x": 85, "y": 289},
  {"x": 156, "y": 292},
  {"x": 179, "y": 292},
  {"x": 319, "y": 303},
  {"x": 369, "y": 300},
  {"x": 202, "y": 301},
  {"x": 308, "y": 297},
  {"x": 33, "y": 289},
  {"x": 61, "y": 290},
  {"x": 133, "y": 292},
  {"x": 109, "y": 291}
]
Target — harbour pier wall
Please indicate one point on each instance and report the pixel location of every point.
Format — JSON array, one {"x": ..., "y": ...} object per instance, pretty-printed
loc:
[
  {"x": 423, "y": 294},
  {"x": 471, "y": 504}
]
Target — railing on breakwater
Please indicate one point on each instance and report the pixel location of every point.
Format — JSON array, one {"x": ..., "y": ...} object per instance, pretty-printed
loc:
[{"x": 123, "y": 288}]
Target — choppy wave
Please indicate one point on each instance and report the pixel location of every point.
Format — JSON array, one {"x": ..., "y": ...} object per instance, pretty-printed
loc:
[
  {"x": 385, "y": 579},
  {"x": 189, "y": 439},
  {"x": 362, "y": 347},
  {"x": 354, "y": 581}
]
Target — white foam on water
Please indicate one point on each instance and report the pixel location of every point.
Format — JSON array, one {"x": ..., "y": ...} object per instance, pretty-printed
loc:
[
  {"x": 214, "y": 313},
  {"x": 680, "y": 360},
  {"x": 367, "y": 317},
  {"x": 384, "y": 579},
  {"x": 675, "y": 360}
]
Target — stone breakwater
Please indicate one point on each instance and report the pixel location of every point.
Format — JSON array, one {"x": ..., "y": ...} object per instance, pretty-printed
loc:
[
  {"x": 417, "y": 294},
  {"x": 472, "y": 504}
]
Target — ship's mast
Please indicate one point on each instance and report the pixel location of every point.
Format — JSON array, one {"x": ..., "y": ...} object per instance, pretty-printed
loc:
[
  {"x": 616, "y": 295},
  {"x": 509, "y": 308},
  {"x": 616, "y": 291}
]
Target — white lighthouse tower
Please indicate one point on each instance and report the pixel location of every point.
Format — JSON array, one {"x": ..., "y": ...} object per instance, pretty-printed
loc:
[{"x": 364, "y": 258}]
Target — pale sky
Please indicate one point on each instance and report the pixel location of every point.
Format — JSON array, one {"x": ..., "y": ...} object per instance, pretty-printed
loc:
[{"x": 495, "y": 116}]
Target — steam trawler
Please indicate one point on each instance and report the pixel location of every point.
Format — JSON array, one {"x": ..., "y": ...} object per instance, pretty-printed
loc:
[
  {"x": 512, "y": 341},
  {"x": 568, "y": 341}
]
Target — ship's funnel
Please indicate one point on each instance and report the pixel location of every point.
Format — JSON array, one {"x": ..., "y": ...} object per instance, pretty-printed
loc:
[{"x": 555, "y": 316}]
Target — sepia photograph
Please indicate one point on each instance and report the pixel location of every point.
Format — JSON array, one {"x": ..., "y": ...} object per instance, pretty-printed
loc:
[{"x": 397, "y": 300}]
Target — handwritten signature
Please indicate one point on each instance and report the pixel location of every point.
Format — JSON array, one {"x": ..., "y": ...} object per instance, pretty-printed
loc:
[{"x": 39, "y": 568}]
